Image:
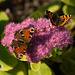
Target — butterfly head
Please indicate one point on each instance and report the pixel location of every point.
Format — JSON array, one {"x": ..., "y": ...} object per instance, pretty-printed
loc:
[
  {"x": 47, "y": 11},
  {"x": 50, "y": 14}
]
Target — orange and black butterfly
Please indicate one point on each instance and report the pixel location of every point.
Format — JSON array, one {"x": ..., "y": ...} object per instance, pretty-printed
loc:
[
  {"x": 58, "y": 20},
  {"x": 23, "y": 37}
]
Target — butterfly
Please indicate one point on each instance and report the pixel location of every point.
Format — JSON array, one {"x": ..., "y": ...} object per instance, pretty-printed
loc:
[
  {"x": 58, "y": 20},
  {"x": 23, "y": 37}
]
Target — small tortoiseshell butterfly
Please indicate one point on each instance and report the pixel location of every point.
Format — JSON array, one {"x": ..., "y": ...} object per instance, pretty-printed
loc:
[
  {"x": 23, "y": 37},
  {"x": 58, "y": 20}
]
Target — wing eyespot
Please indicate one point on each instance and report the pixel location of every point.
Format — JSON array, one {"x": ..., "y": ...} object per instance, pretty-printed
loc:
[
  {"x": 21, "y": 31},
  {"x": 31, "y": 29}
]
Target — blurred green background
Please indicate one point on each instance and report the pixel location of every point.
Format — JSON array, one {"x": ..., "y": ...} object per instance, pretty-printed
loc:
[{"x": 62, "y": 63}]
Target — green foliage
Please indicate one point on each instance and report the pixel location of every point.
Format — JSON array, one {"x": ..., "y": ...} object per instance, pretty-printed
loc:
[
  {"x": 19, "y": 69},
  {"x": 55, "y": 55},
  {"x": 3, "y": 73},
  {"x": 57, "y": 59},
  {"x": 68, "y": 64},
  {"x": 44, "y": 70},
  {"x": 4, "y": 20},
  {"x": 55, "y": 6},
  {"x": 56, "y": 52},
  {"x": 69, "y": 2},
  {"x": 68, "y": 10},
  {"x": 7, "y": 61},
  {"x": 35, "y": 66},
  {"x": 36, "y": 15},
  {"x": 51, "y": 7},
  {"x": 2, "y": 35}
]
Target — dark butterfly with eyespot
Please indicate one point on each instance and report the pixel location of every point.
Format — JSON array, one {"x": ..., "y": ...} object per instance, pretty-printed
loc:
[{"x": 23, "y": 37}]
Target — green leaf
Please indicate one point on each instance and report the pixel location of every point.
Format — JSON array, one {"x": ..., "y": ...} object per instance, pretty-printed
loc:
[
  {"x": 7, "y": 61},
  {"x": 3, "y": 16},
  {"x": 55, "y": 52},
  {"x": 19, "y": 69},
  {"x": 36, "y": 15},
  {"x": 68, "y": 10},
  {"x": 57, "y": 59},
  {"x": 2, "y": 36},
  {"x": 44, "y": 70},
  {"x": 35, "y": 66},
  {"x": 55, "y": 6},
  {"x": 3, "y": 73},
  {"x": 51, "y": 7},
  {"x": 4, "y": 20},
  {"x": 69, "y": 2},
  {"x": 68, "y": 65}
]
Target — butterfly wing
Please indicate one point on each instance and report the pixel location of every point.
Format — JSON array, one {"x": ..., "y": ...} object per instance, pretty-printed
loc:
[
  {"x": 65, "y": 19},
  {"x": 23, "y": 37},
  {"x": 58, "y": 20},
  {"x": 54, "y": 18},
  {"x": 28, "y": 32},
  {"x": 19, "y": 51},
  {"x": 19, "y": 48},
  {"x": 25, "y": 34}
]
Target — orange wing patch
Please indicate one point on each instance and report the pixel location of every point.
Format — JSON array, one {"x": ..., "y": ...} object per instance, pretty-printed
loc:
[
  {"x": 23, "y": 37},
  {"x": 28, "y": 33},
  {"x": 66, "y": 18},
  {"x": 58, "y": 20},
  {"x": 20, "y": 51}
]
